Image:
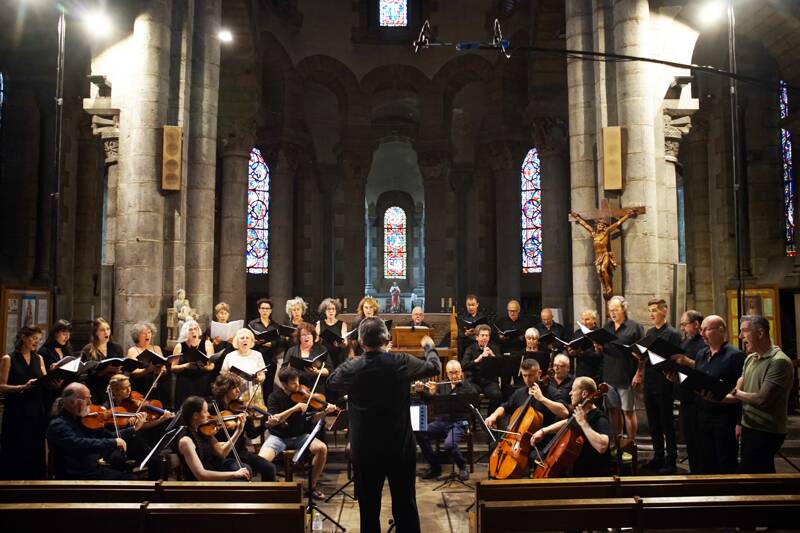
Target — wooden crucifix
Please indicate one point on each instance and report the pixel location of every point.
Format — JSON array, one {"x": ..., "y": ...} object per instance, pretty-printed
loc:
[{"x": 601, "y": 232}]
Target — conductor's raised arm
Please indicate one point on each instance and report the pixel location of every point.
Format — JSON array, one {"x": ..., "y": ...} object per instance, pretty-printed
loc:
[{"x": 421, "y": 368}]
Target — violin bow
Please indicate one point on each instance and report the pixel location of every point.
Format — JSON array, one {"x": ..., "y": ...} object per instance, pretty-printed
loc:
[
  {"x": 227, "y": 434},
  {"x": 152, "y": 388},
  {"x": 316, "y": 382},
  {"x": 111, "y": 406}
]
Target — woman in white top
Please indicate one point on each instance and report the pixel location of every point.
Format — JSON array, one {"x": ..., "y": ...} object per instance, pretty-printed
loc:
[{"x": 246, "y": 358}]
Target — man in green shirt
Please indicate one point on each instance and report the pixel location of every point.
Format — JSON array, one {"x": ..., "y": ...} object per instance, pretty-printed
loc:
[{"x": 763, "y": 391}]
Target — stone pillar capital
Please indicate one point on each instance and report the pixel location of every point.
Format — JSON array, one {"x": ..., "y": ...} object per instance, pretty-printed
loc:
[
  {"x": 105, "y": 118},
  {"x": 237, "y": 137},
  {"x": 434, "y": 164},
  {"x": 506, "y": 156},
  {"x": 283, "y": 157},
  {"x": 675, "y": 127},
  {"x": 354, "y": 164},
  {"x": 550, "y": 135}
]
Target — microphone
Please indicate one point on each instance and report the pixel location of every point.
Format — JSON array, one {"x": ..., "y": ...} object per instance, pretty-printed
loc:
[{"x": 424, "y": 37}]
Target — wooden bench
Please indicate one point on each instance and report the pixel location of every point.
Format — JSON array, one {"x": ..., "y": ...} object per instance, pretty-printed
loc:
[
  {"x": 149, "y": 491},
  {"x": 153, "y": 517}
]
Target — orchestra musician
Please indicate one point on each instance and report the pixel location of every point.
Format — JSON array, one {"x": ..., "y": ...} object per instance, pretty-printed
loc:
[
  {"x": 542, "y": 394},
  {"x": 77, "y": 450},
  {"x": 268, "y": 349},
  {"x": 595, "y": 456},
  {"x": 472, "y": 361},
  {"x": 291, "y": 433},
  {"x": 142, "y": 378},
  {"x": 329, "y": 311},
  {"x": 378, "y": 385},
  {"x": 226, "y": 389},
  {"x": 452, "y": 430},
  {"x": 204, "y": 458},
  {"x": 22, "y": 455},
  {"x": 191, "y": 377},
  {"x": 101, "y": 347}
]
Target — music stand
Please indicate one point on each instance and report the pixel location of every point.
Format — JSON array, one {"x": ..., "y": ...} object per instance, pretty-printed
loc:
[
  {"x": 163, "y": 443},
  {"x": 342, "y": 423},
  {"x": 300, "y": 454},
  {"x": 453, "y": 405}
]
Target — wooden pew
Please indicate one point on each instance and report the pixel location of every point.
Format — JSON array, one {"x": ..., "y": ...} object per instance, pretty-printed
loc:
[
  {"x": 554, "y": 515},
  {"x": 153, "y": 518},
  {"x": 228, "y": 492}
]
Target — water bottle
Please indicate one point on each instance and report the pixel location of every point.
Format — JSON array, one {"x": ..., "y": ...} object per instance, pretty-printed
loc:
[{"x": 316, "y": 520}]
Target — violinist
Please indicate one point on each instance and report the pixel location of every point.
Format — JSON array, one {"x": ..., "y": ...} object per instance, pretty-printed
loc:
[
  {"x": 77, "y": 450},
  {"x": 306, "y": 349},
  {"x": 246, "y": 358},
  {"x": 226, "y": 390},
  {"x": 595, "y": 455},
  {"x": 101, "y": 347},
  {"x": 542, "y": 394},
  {"x": 191, "y": 377},
  {"x": 472, "y": 362},
  {"x": 453, "y": 430},
  {"x": 268, "y": 349},
  {"x": 142, "y": 378},
  {"x": 204, "y": 458},
  {"x": 22, "y": 452},
  {"x": 293, "y": 433}
]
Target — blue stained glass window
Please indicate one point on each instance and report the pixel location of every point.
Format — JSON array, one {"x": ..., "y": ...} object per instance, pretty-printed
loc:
[
  {"x": 393, "y": 13},
  {"x": 531, "y": 187},
  {"x": 257, "y": 214},
  {"x": 394, "y": 243},
  {"x": 788, "y": 175}
]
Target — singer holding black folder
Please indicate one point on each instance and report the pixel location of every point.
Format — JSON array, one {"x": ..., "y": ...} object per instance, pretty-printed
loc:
[
  {"x": 329, "y": 321},
  {"x": 100, "y": 348},
  {"x": 307, "y": 356},
  {"x": 246, "y": 358},
  {"x": 142, "y": 378},
  {"x": 262, "y": 326},
  {"x": 194, "y": 365}
]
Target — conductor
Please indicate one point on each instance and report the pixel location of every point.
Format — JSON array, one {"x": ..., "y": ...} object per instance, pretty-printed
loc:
[{"x": 378, "y": 386}]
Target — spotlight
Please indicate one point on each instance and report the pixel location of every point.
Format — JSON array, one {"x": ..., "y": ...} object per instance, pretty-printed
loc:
[
  {"x": 711, "y": 12},
  {"x": 97, "y": 23},
  {"x": 225, "y": 35}
]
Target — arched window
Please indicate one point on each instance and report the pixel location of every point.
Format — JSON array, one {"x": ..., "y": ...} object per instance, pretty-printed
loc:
[
  {"x": 393, "y": 13},
  {"x": 531, "y": 187},
  {"x": 395, "y": 247},
  {"x": 788, "y": 176},
  {"x": 257, "y": 214}
]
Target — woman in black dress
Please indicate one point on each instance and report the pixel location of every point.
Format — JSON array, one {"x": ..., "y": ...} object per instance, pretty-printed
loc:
[
  {"x": 268, "y": 349},
  {"x": 329, "y": 320},
  {"x": 142, "y": 378},
  {"x": 54, "y": 349},
  {"x": 101, "y": 347},
  {"x": 22, "y": 450},
  {"x": 305, "y": 349},
  {"x": 191, "y": 377}
]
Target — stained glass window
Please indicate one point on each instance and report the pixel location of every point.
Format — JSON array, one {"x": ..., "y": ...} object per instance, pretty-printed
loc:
[
  {"x": 394, "y": 243},
  {"x": 788, "y": 176},
  {"x": 531, "y": 213},
  {"x": 393, "y": 13},
  {"x": 257, "y": 214}
]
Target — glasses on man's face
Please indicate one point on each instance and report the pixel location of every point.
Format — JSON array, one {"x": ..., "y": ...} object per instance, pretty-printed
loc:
[{"x": 265, "y": 309}]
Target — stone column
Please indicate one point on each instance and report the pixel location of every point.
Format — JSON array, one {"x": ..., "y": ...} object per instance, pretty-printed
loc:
[
  {"x": 283, "y": 162},
  {"x": 582, "y": 144},
  {"x": 506, "y": 158},
  {"x": 550, "y": 138},
  {"x": 140, "y": 202},
  {"x": 640, "y": 263},
  {"x": 419, "y": 222},
  {"x": 354, "y": 164},
  {"x": 328, "y": 181},
  {"x": 676, "y": 126},
  {"x": 233, "y": 223},
  {"x": 202, "y": 174},
  {"x": 698, "y": 236},
  {"x": 440, "y": 282}
]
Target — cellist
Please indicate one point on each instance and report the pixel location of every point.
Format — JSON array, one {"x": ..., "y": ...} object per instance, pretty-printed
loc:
[
  {"x": 595, "y": 455},
  {"x": 551, "y": 410}
]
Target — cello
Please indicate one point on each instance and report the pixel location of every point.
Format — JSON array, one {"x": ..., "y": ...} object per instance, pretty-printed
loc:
[
  {"x": 510, "y": 458},
  {"x": 561, "y": 453}
]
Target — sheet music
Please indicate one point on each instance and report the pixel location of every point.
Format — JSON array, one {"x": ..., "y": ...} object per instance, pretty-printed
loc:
[{"x": 419, "y": 417}]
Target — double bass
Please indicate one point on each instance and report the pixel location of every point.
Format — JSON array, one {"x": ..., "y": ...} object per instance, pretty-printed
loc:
[
  {"x": 510, "y": 458},
  {"x": 561, "y": 453}
]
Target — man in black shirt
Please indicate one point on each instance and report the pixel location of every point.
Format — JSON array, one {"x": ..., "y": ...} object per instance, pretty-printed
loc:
[
  {"x": 452, "y": 430},
  {"x": 550, "y": 409},
  {"x": 658, "y": 392},
  {"x": 511, "y": 322},
  {"x": 466, "y": 334},
  {"x": 474, "y": 362},
  {"x": 588, "y": 361},
  {"x": 717, "y": 447},
  {"x": 595, "y": 457},
  {"x": 378, "y": 385},
  {"x": 290, "y": 433},
  {"x": 548, "y": 325},
  {"x": 562, "y": 380},
  {"x": 418, "y": 318},
  {"x": 692, "y": 345},
  {"x": 76, "y": 449}
]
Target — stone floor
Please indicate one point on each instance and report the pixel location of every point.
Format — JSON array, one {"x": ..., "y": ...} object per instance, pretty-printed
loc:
[{"x": 445, "y": 510}]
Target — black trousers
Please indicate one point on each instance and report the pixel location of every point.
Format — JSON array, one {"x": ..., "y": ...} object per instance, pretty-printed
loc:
[
  {"x": 370, "y": 473},
  {"x": 716, "y": 442},
  {"x": 258, "y": 465},
  {"x": 689, "y": 425},
  {"x": 662, "y": 427},
  {"x": 758, "y": 451},
  {"x": 491, "y": 390}
]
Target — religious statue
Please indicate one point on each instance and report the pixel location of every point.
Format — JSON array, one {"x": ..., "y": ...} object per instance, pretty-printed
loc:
[
  {"x": 183, "y": 310},
  {"x": 604, "y": 262},
  {"x": 394, "y": 292},
  {"x": 180, "y": 301}
]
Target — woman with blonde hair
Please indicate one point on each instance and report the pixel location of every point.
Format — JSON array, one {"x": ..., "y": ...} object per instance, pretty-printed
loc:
[{"x": 244, "y": 357}]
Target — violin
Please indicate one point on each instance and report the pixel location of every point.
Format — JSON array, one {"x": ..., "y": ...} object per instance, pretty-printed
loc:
[
  {"x": 135, "y": 403},
  {"x": 210, "y": 428},
  {"x": 317, "y": 401},
  {"x": 510, "y": 458},
  {"x": 565, "y": 448},
  {"x": 238, "y": 406},
  {"x": 99, "y": 417}
]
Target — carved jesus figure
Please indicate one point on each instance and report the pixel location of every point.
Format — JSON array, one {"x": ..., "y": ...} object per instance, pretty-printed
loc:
[{"x": 604, "y": 262}]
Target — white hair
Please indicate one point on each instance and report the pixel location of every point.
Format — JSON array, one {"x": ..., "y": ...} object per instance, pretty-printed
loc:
[
  {"x": 297, "y": 300},
  {"x": 249, "y": 334},
  {"x": 532, "y": 332},
  {"x": 184, "y": 334},
  {"x": 619, "y": 301}
]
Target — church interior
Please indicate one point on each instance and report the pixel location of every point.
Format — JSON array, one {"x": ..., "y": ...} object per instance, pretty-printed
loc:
[{"x": 159, "y": 157}]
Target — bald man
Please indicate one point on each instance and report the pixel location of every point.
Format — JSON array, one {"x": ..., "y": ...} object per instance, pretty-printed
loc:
[
  {"x": 509, "y": 330},
  {"x": 549, "y": 325},
  {"x": 562, "y": 379},
  {"x": 418, "y": 318},
  {"x": 452, "y": 430}
]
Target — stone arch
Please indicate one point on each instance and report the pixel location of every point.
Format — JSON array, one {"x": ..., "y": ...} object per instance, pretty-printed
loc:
[
  {"x": 281, "y": 90},
  {"x": 447, "y": 82},
  {"x": 337, "y": 77}
]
